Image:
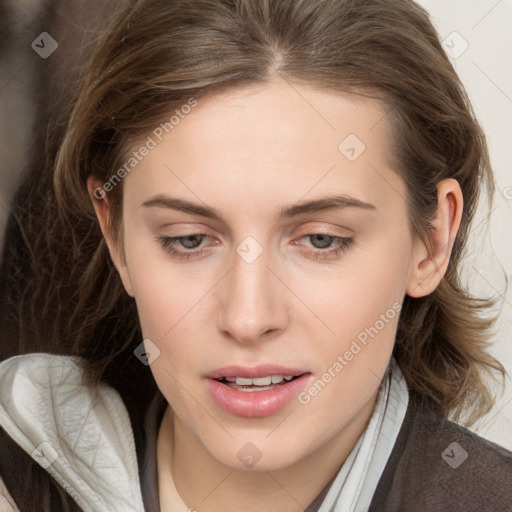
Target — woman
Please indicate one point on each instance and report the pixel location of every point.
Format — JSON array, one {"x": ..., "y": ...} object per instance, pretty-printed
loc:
[{"x": 271, "y": 316}]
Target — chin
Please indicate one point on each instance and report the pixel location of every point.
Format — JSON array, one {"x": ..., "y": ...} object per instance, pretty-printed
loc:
[{"x": 256, "y": 455}]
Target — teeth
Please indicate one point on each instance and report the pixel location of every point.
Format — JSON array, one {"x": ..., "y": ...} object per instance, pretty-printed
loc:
[{"x": 260, "y": 381}]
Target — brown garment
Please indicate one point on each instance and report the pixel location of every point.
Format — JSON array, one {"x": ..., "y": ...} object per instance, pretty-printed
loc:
[{"x": 428, "y": 472}]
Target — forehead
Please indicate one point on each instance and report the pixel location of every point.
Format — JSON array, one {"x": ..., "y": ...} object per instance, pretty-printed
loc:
[{"x": 270, "y": 141}]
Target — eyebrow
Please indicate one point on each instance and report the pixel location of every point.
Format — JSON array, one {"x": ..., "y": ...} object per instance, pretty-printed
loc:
[{"x": 301, "y": 208}]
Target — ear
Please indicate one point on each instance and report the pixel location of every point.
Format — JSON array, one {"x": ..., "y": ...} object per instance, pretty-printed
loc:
[
  {"x": 430, "y": 263},
  {"x": 101, "y": 205}
]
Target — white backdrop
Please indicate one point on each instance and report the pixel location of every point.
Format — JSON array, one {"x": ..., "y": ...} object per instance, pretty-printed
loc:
[{"x": 477, "y": 35}]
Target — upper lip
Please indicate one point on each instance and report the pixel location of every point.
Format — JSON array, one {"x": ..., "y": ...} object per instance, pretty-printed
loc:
[{"x": 253, "y": 372}]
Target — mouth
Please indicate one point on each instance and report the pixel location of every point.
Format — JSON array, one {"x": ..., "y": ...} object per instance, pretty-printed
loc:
[
  {"x": 254, "y": 392},
  {"x": 248, "y": 385}
]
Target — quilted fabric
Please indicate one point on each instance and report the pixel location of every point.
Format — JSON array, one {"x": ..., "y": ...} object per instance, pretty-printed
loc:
[{"x": 80, "y": 434}]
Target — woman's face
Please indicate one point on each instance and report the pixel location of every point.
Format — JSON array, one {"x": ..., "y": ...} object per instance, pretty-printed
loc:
[{"x": 267, "y": 234}]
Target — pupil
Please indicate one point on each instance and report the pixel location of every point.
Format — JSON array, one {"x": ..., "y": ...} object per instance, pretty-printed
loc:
[
  {"x": 189, "y": 242},
  {"x": 325, "y": 241}
]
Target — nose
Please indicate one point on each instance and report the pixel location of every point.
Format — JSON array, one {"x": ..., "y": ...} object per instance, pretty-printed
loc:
[{"x": 252, "y": 302}]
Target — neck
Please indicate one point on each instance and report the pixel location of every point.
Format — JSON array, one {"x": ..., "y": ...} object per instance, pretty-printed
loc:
[{"x": 210, "y": 486}]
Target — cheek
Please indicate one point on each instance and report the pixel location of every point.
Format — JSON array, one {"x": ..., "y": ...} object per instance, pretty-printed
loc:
[
  {"x": 172, "y": 314},
  {"x": 167, "y": 303},
  {"x": 361, "y": 308},
  {"x": 170, "y": 310},
  {"x": 368, "y": 285}
]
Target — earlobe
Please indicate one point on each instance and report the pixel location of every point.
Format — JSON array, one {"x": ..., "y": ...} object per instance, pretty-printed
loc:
[
  {"x": 430, "y": 260},
  {"x": 101, "y": 205}
]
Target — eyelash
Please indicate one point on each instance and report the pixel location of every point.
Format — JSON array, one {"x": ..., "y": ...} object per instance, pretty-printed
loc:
[{"x": 168, "y": 244}]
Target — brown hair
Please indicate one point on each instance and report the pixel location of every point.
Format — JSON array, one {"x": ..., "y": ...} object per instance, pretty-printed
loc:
[{"x": 156, "y": 55}]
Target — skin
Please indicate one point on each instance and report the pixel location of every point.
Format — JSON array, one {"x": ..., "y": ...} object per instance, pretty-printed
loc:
[{"x": 248, "y": 153}]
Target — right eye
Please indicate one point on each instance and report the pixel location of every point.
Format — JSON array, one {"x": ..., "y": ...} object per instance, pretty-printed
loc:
[{"x": 183, "y": 247}]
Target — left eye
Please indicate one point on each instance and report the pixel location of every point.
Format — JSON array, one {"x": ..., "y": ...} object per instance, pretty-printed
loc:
[
  {"x": 323, "y": 243},
  {"x": 190, "y": 241}
]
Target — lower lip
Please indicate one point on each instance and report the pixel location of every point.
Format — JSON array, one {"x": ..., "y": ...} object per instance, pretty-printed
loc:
[{"x": 256, "y": 404}]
